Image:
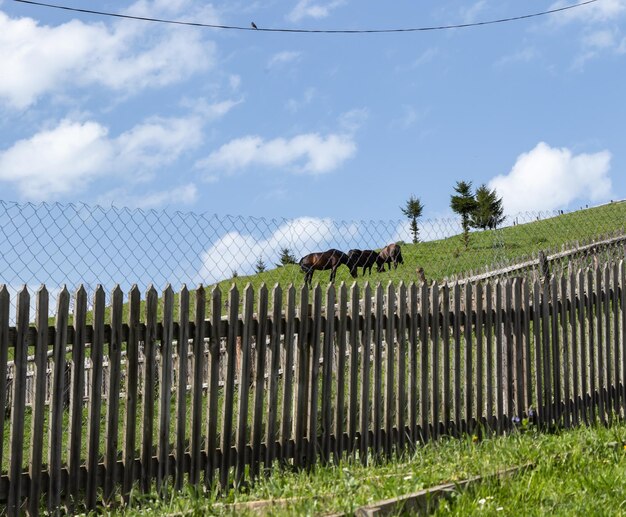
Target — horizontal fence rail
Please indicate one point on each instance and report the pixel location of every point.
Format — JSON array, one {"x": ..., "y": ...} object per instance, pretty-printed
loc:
[{"x": 160, "y": 391}]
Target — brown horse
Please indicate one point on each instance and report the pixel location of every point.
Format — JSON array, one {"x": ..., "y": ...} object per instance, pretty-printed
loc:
[
  {"x": 391, "y": 254},
  {"x": 361, "y": 258},
  {"x": 322, "y": 260}
]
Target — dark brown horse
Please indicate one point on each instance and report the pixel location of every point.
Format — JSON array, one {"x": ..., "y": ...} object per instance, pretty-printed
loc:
[
  {"x": 391, "y": 254},
  {"x": 361, "y": 258},
  {"x": 322, "y": 260}
]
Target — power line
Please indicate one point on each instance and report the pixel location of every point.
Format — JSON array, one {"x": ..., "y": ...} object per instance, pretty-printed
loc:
[{"x": 314, "y": 31}]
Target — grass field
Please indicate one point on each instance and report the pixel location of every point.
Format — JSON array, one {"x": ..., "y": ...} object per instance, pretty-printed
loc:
[{"x": 576, "y": 472}]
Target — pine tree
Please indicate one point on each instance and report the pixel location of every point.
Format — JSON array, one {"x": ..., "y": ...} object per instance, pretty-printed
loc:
[
  {"x": 286, "y": 257},
  {"x": 413, "y": 210},
  {"x": 464, "y": 204},
  {"x": 489, "y": 210},
  {"x": 259, "y": 267}
]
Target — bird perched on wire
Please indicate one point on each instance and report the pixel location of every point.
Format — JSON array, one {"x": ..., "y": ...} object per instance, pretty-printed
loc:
[{"x": 253, "y": 25}]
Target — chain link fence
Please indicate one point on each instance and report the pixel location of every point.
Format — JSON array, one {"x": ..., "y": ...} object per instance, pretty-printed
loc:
[{"x": 78, "y": 244}]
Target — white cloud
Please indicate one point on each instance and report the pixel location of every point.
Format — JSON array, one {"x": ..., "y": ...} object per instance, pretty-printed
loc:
[
  {"x": 602, "y": 11},
  {"x": 282, "y": 58},
  {"x": 62, "y": 160},
  {"x": 308, "y": 153},
  {"x": 470, "y": 14},
  {"x": 310, "y": 9},
  {"x": 38, "y": 59},
  {"x": 547, "y": 178},
  {"x": 522, "y": 56}
]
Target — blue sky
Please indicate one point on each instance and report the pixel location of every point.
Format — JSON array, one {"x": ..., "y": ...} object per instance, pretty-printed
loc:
[{"x": 110, "y": 111}]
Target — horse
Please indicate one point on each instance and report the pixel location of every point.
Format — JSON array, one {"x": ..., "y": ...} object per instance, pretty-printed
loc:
[
  {"x": 330, "y": 259},
  {"x": 391, "y": 254},
  {"x": 361, "y": 258}
]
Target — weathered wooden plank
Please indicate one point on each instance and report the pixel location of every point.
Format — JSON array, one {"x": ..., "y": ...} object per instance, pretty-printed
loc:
[
  {"x": 617, "y": 395},
  {"x": 584, "y": 366},
  {"x": 389, "y": 398},
  {"x": 509, "y": 353},
  {"x": 76, "y": 393},
  {"x": 113, "y": 406},
  {"x": 288, "y": 373},
  {"x": 211, "y": 424},
  {"x": 527, "y": 316},
  {"x": 132, "y": 382},
  {"x": 302, "y": 380},
  {"x": 489, "y": 356},
  {"x": 436, "y": 362},
  {"x": 622, "y": 338},
  {"x": 480, "y": 356},
  {"x": 327, "y": 373},
  {"x": 545, "y": 346},
  {"x": 458, "y": 429},
  {"x": 425, "y": 371},
  {"x": 258, "y": 382},
  {"x": 5, "y": 306},
  {"x": 244, "y": 385},
  {"x": 229, "y": 384},
  {"x": 342, "y": 331},
  {"x": 401, "y": 378},
  {"x": 377, "y": 396},
  {"x": 500, "y": 386},
  {"x": 149, "y": 381},
  {"x": 601, "y": 372},
  {"x": 182, "y": 352},
  {"x": 273, "y": 378},
  {"x": 314, "y": 376},
  {"x": 39, "y": 401},
  {"x": 469, "y": 367},
  {"x": 446, "y": 350},
  {"x": 365, "y": 373},
  {"x": 608, "y": 365},
  {"x": 55, "y": 440},
  {"x": 575, "y": 348},
  {"x": 165, "y": 389},
  {"x": 413, "y": 371},
  {"x": 518, "y": 349},
  {"x": 565, "y": 353},
  {"x": 555, "y": 351},
  {"x": 592, "y": 301},
  {"x": 16, "y": 438}
]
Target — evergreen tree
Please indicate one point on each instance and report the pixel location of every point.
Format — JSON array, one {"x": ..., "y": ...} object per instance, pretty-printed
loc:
[
  {"x": 489, "y": 210},
  {"x": 413, "y": 210},
  {"x": 259, "y": 267},
  {"x": 464, "y": 204},
  {"x": 286, "y": 257}
]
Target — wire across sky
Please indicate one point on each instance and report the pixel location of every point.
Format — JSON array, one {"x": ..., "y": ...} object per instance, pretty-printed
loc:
[{"x": 257, "y": 28}]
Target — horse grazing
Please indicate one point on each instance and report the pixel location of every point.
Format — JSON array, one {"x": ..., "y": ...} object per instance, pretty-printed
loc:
[
  {"x": 322, "y": 260},
  {"x": 391, "y": 254},
  {"x": 361, "y": 258}
]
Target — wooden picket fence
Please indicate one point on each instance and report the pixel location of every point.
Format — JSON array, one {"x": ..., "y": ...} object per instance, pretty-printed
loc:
[{"x": 297, "y": 377}]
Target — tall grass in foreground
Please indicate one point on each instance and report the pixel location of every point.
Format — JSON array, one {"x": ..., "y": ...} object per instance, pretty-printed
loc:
[{"x": 579, "y": 471}]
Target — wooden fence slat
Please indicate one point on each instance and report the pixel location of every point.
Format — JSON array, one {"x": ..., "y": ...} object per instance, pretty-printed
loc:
[
  {"x": 401, "y": 379},
  {"x": 37, "y": 428},
  {"x": 76, "y": 393},
  {"x": 16, "y": 438},
  {"x": 436, "y": 352},
  {"x": 365, "y": 372},
  {"x": 244, "y": 384},
  {"x": 617, "y": 395},
  {"x": 458, "y": 429},
  {"x": 584, "y": 366},
  {"x": 519, "y": 348},
  {"x": 622, "y": 276},
  {"x": 527, "y": 344},
  {"x": 546, "y": 342},
  {"x": 113, "y": 406},
  {"x": 565, "y": 354},
  {"x": 165, "y": 389},
  {"x": 424, "y": 369},
  {"x": 575, "y": 348},
  {"x": 302, "y": 381},
  {"x": 327, "y": 373},
  {"x": 341, "y": 337},
  {"x": 445, "y": 336},
  {"x": 274, "y": 364},
  {"x": 149, "y": 366},
  {"x": 389, "y": 398},
  {"x": 592, "y": 302},
  {"x": 258, "y": 383},
  {"x": 314, "y": 347},
  {"x": 182, "y": 352},
  {"x": 5, "y": 306},
  {"x": 607, "y": 378},
  {"x": 55, "y": 440},
  {"x": 509, "y": 353},
  {"x": 467, "y": 351},
  {"x": 229, "y": 384},
  {"x": 288, "y": 374},
  {"x": 499, "y": 384},
  {"x": 556, "y": 351},
  {"x": 132, "y": 382},
  {"x": 489, "y": 356},
  {"x": 480, "y": 359},
  {"x": 353, "y": 397},
  {"x": 197, "y": 422},
  {"x": 413, "y": 372},
  {"x": 377, "y": 396},
  {"x": 599, "y": 308}
]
